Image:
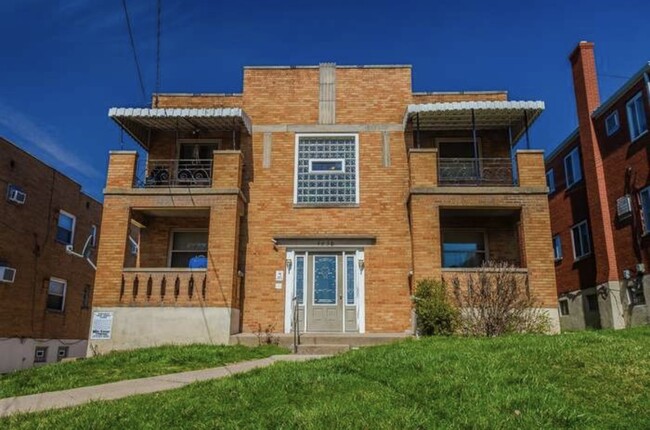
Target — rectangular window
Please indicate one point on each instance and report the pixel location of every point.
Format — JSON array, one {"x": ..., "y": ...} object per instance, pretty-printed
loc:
[
  {"x": 325, "y": 280},
  {"x": 636, "y": 118},
  {"x": 61, "y": 353},
  {"x": 300, "y": 279},
  {"x": 93, "y": 236},
  {"x": 581, "y": 242},
  {"x": 56, "y": 294},
  {"x": 326, "y": 169},
  {"x": 85, "y": 299},
  {"x": 40, "y": 354},
  {"x": 557, "y": 247},
  {"x": 644, "y": 200},
  {"x": 635, "y": 294},
  {"x": 189, "y": 249},
  {"x": 592, "y": 302},
  {"x": 463, "y": 248},
  {"x": 550, "y": 181},
  {"x": 572, "y": 168},
  {"x": 564, "y": 306},
  {"x": 350, "y": 280},
  {"x": 65, "y": 228},
  {"x": 612, "y": 123}
]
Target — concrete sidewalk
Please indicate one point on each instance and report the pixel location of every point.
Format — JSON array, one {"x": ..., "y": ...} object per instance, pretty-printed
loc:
[{"x": 130, "y": 387}]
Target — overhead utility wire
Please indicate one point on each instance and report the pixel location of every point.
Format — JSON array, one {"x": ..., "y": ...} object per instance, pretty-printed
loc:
[{"x": 135, "y": 53}]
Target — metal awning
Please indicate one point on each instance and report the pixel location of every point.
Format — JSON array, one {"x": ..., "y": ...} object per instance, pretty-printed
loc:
[
  {"x": 479, "y": 114},
  {"x": 138, "y": 122}
]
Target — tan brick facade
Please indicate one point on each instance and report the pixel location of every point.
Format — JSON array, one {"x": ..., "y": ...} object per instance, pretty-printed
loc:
[{"x": 252, "y": 211}]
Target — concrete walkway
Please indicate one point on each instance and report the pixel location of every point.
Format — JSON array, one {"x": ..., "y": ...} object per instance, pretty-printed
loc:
[{"x": 118, "y": 390}]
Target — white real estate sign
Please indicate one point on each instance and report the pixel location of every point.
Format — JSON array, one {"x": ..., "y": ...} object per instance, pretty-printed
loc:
[{"x": 102, "y": 325}]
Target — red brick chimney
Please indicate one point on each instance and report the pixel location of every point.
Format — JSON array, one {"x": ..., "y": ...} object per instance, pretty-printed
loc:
[{"x": 585, "y": 84}]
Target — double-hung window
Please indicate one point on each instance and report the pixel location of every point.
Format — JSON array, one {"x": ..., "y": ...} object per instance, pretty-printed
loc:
[
  {"x": 93, "y": 235},
  {"x": 65, "y": 228},
  {"x": 581, "y": 241},
  {"x": 56, "y": 294},
  {"x": 644, "y": 200},
  {"x": 612, "y": 123},
  {"x": 550, "y": 181},
  {"x": 557, "y": 247},
  {"x": 572, "y": 167},
  {"x": 636, "y": 119},
  {"x": 327, "y": 170},
  {"x": 189, "y": 249}
]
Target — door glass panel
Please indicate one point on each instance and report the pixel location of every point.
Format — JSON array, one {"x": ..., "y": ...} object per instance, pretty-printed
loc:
[
  {"x": 325, "y": 280},
  {"x": 300, "y": 279},
  {"x": 351, "y": 286}
]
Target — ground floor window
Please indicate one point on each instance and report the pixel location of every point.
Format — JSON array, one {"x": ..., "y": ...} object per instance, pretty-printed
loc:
[
  {"x": 61, "y": 353},
  {"x": 189, "y": 249},
  {"x": 564, "y": 307},
  {"x": 56, "y": 294},
  {"x": 463, "y": 248}
]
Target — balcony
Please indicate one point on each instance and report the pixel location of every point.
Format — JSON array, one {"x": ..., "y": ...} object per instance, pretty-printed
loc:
[
  {"x": 475, "y": 172},
  {"x": 175, "y": 173},
  {"x": 159, "y": 286}
]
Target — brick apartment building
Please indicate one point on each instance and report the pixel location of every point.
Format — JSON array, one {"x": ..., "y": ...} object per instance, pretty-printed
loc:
[
  {"x": 315, "y": 199},
  {"x": 599, "y": 199},
  {"x": 45, "y": 293}
]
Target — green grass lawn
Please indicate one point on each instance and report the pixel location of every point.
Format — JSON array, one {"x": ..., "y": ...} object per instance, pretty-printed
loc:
[
  {"x": 117, "y": 366},
  {"x": 576, "y": 380}
]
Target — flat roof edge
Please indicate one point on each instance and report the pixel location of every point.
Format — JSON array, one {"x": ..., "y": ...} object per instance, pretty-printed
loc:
[
  {"x": 442, "y": 93},
  {"x": 341, "y": 66},
  {"x": 622, "y": 90},
  {"x": 199, "y": 94}
]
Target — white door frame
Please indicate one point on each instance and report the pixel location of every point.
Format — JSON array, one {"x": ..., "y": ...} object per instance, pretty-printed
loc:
[{"x": 289, "y": 289}]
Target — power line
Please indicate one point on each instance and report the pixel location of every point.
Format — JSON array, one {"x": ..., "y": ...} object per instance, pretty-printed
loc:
[
  {"x": 606, "y": 75},
  {"x": 135, "y": 53}
]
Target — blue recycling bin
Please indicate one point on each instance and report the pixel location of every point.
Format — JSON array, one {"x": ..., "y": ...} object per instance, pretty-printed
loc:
[{"x": 198, "y": 262}]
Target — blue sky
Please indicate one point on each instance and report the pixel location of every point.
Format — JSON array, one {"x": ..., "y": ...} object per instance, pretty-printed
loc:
[{"x": 64, "y": 63}]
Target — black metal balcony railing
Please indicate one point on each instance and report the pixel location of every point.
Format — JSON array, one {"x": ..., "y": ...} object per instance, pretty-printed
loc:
[
  {"x": 176, "y": 173},
  {"x": 475, "y": 171}
]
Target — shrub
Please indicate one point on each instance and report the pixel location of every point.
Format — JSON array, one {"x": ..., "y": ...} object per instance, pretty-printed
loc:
[
  {"x": 496, "y": 300},
  {"x": 436, "y": 314}
]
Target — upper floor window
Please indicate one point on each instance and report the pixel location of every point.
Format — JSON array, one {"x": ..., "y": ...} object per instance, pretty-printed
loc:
[
  {"x": 56, "y": 294},
  {"x": 550, "y": 181},
  {"x": 65, "y": 228},
  {"x": 636, "y": 119},
  {"x": 93, "y": 235},
  {"x": 557, "y": 247},
  {"x": 581, "y": 241},
  {"x": 327, "y": 169},
  {"x": 572, "y": 168},
  {"x": 644, "y": 199},
  {"x": 612, "y": 123}
]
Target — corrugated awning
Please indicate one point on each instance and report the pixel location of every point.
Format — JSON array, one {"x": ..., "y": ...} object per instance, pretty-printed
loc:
[
  {"x": 487, "y": 115},
  {"x": 139, "y": 121}
]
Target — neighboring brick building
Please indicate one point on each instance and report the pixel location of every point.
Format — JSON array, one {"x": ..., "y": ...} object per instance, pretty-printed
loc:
[
  {"x": 600, "y": 203},
  {"x": 45, "y": 304},
  {"x": 338, "y": 186}
]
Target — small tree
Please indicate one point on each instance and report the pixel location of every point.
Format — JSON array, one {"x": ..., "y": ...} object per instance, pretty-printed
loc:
[
  {"x": 436, "y": 314},
  {"x": 496, "y": 300}
]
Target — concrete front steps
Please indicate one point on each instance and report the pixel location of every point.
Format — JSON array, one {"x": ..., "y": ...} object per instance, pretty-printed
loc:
[{"x": 319, "y": 343}]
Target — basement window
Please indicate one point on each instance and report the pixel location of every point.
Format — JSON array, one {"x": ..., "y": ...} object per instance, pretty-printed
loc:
[
  {"x": 40, "y": 354},
  {"x": 61, "y": 353},
  {"x": 635, "y": 294},
  {"x": 564, "y": 307}
]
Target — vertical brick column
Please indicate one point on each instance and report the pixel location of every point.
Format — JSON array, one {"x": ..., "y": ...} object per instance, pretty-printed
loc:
[
  {"x": 121, "y": 169},
  {"x": 423, "y": 167},
  {"x": 223, "y": 245},
  {"x": 426, "y": 237},
  {"x": 530, "y": 168},
  {"x": 227, "y": 169}
]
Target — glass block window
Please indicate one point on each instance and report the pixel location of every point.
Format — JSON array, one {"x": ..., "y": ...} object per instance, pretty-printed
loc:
[{"x": 326, "y": 170}]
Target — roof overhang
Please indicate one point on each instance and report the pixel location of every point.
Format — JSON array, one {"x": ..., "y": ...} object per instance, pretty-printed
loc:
[
  {"x": 138, "y": 122},
  {"x": 487, "y": 115}
]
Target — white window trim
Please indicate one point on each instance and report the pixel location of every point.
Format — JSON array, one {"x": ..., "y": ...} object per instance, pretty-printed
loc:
[
  {"x": 326, "y": 172},
  {"x": 631, "y": 102},
  {"x": 563, "y": 300},
  {"x": 573, "y": 152},
  {"x": 65, "y": 291},
  {"x": 295, "y": 166},
  {"x": 561, "y": 254},
  {"x": 609, "y": 131},
  {"x": 551, "y": 184},
  {"x": 93, "y": 233},
  {"x": 573, "y": 241},
  {"x": 171, "y": 240},
  {"x": 74, "y": 224}
]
